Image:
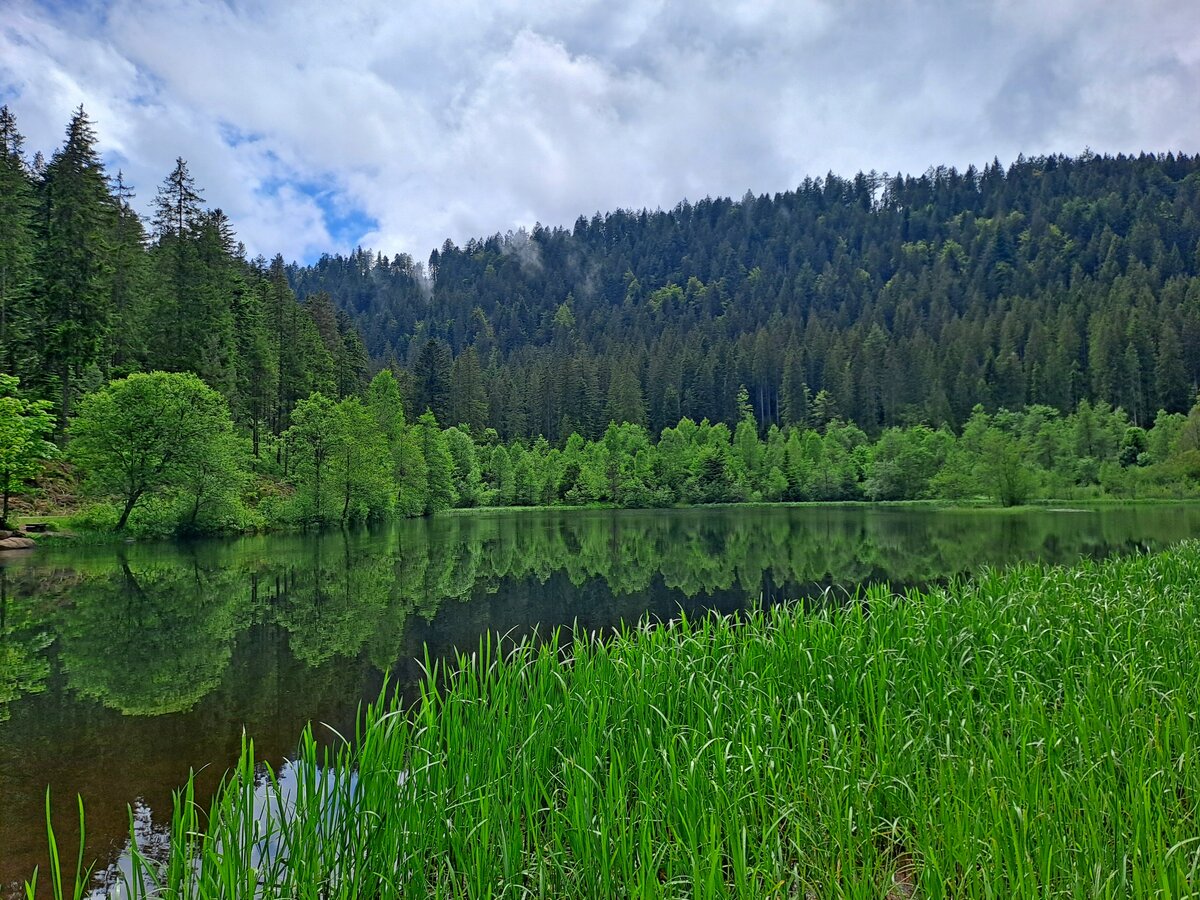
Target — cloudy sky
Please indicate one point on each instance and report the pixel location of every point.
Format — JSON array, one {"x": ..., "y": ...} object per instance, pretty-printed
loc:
[{"x": 321, "y": 125}]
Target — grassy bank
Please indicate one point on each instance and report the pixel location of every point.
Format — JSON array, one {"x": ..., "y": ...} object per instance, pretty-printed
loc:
[{"x": 1031, "y": 733}]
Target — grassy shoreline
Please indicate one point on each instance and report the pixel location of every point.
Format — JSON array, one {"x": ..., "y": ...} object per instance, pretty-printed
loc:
[{"x": 1032, "y": 732}]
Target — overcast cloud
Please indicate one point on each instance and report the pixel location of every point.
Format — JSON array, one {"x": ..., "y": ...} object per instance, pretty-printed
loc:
[{"x": 323, "y": 125}]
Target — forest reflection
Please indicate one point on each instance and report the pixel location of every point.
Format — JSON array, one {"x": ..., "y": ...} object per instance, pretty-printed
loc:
[{"x": 150, "y": 629}]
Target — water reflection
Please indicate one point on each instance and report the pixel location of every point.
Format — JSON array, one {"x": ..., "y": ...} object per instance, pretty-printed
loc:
[
  {"x": 273, "y": 798},
  {"x": 123, "y": 667}
]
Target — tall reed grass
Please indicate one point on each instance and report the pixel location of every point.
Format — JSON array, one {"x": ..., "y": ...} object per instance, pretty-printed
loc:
[{"x": 1030, "y": 733}]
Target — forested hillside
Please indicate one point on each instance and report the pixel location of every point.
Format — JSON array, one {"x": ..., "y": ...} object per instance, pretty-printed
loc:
[
  {"x": 879, "y": 300},
  {"x": 87, "y": 294},
  {"x": 1006, "y": 335}
]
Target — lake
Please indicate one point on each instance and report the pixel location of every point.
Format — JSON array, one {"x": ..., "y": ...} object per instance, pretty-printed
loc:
[{"x": 122, "y": 667}]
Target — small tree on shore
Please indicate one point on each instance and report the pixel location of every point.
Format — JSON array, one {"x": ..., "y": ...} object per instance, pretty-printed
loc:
[{"x": 150, "y": 433}]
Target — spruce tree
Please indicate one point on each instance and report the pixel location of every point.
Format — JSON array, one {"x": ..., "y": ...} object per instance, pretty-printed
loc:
[
  {"x": 431, "y": 373},
  {"x": 468, "y": 398},
  {"x": 17, "y": 206},
  {"x": 74, "y": 263},
  {"x": 129, "y": 284}
]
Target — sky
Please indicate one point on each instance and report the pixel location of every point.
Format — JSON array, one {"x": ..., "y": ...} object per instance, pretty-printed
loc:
[{"x": 319, "y": 126}]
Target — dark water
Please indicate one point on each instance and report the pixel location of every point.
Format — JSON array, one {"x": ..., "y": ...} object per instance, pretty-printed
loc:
[{"x": 122, "y": 668}]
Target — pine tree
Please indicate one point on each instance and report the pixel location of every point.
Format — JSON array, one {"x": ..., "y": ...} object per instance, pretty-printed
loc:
[
  {"x": 17, "y": 206},
  {"x": 468, "y": 398},
  {"x": 795, "y": 398},
  {"x": 129, "y": 285},
  {"x": 432, "y": 375},
  {"x": 352, "y": 362},
  {"x": 73, "y": 262},
  {"x": 1170, "y": 379},
  {"x": 625, "y": 402},
  {"x": 256, "y": 366},
  {"x": 178, "y": 328}
]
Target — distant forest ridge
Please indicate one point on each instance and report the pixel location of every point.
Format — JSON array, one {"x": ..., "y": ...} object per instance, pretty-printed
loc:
[{"x": 878, "y": 300}]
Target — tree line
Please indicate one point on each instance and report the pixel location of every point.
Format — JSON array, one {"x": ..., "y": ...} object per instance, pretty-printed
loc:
[
  {"x": 882, "y": 300},
  {"x": 161, "y": 452},
  {"x": 90, "y": 292}
]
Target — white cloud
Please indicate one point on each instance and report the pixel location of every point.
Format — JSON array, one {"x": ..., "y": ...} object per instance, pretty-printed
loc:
[{"x": 459, "y": 119}]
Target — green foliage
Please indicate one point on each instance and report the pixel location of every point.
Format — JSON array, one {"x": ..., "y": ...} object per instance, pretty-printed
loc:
[
  {"x": 73, "y": 262},
  {"x": 905, "y": 461},
  {"x": 17, "y": 247},
  {"x": 409, "y": 471},
  {"x": 313, "y": 439},
  {"x": 361, "y": 467},
  {"x": 383, "y": 397},
  {"x": 24, "y": 426},
  {"x": 468, "y": 477},
  {"x": 439, "y": 465},
  {"x": 87, "y": 296},
  {"x": 351, "y": 460},
  {"x": 1005, "y": 471},
  {"x": 343, "y": 464},
  {"x": 155, "y": 433},
  {"x": 431, "y": 375},
  {"x": 24, "y": 638},
  {"x": 468, "y": 403},
  {"x": 525, "y": 479},
  {"x": 882, "y": 302},
  {"x": 625, "y": 403},
  {"x": 1057, "y": 298},
  {"x": 500, "y": 476}
]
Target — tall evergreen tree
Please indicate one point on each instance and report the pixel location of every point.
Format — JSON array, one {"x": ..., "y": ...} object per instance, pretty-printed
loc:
[
  {"x": 625, "y": 402},
  {"x": 1170, "y": 378},
  {"x": 468, "y": 397},
  {"x": 17, "y": 206},
  {"x": 129, "y": 284},
  {"x": 73, "y": 261},
  {"x": 431, "y": 374}
]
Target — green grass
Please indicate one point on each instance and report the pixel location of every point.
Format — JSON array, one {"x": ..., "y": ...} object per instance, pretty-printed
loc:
[{"x": 1032, "y": 733}]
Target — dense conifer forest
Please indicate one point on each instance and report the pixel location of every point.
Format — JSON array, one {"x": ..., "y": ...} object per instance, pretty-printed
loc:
[
  {"x": 880, "y": 300},
  {"x": 1005, "y": 334},
  {"x": 91, "y": 292}
]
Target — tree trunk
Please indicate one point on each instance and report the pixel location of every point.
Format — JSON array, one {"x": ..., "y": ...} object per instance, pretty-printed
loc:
[
  {"x": 129, "y": 504},
  {"x": 318, "y": 487}
]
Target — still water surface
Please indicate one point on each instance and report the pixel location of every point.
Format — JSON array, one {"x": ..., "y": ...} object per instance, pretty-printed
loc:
[{"x": 123, "y": 667}]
